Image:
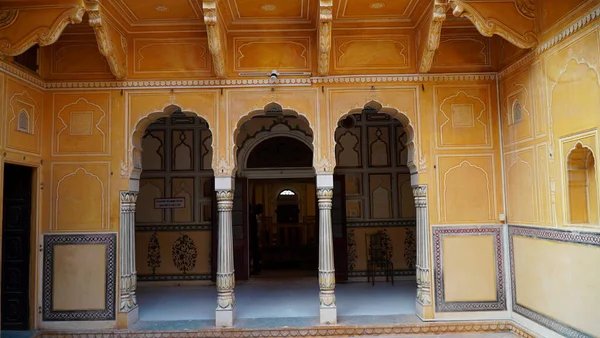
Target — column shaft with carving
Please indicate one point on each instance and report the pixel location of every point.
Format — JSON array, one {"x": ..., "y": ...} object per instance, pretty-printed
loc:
[
  {"x": 128, "y": 281},
  {"x": 328, "y": 310},
  {"x": 225, "y": 267},
  {"x": 423, "y": 271}
]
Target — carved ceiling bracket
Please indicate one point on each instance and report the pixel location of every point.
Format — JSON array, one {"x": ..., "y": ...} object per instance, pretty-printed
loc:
[
  {"x": 215, "y": 32},
  {"x": 508, "y": 14},
  {"x": 325, "y": 19},
  {"x": 21, "y": 29},
  {"x": 111, "y": 43},
  {"x": 429, "y": 33}
]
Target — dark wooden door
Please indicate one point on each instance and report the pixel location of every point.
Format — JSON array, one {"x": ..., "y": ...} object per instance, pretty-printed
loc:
[
  {"x": 338, "y": 223},
  {"x": 240, "y": 218},
  {"x": 16, "y": 247}
]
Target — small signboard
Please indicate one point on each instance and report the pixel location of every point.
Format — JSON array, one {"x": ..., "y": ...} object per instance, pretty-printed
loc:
[{"x": 169, "y": 203}]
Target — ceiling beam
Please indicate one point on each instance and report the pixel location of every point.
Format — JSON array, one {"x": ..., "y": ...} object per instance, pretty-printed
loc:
[
  {"x": 20, "y": 29},
  {"x": 514, "y": 20},
  {"x": 216, "y": 36},
  {"x": 429, "y": 34},
  {"x": 112, "y": 44},
  {"x": 325, "y": 19}
]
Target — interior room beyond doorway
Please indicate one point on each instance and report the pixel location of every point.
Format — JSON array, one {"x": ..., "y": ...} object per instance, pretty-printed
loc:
[{"x": 283, "y": 228}]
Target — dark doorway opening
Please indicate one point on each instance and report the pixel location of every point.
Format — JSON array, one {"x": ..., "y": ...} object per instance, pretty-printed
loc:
[{"x": 16, "y": 246}]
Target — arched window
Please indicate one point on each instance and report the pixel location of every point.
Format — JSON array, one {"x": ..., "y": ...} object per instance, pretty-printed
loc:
[
  {"x": 517, "y": 112},
  {"x": 23, "y": 122},
  {"x": 287, "y": 192},
  {"x": 582, "y": 186}
]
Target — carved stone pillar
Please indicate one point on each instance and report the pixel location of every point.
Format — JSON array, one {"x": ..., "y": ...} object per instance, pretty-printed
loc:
[
  {"x": 423, "y": 271},
  {"x": 128, "y": 280},
  {"x": 327, "y": 307},
  {"x": 225, "y": 267}
]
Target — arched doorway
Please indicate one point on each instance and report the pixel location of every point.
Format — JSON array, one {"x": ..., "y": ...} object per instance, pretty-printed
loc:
[
  {"x": 275, "y": 207},
  {"x": 174, "y": 217},
  {"x": 373, "y": 154}
]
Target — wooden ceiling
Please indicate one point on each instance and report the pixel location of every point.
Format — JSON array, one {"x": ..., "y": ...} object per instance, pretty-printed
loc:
[{"x": 229, "y": 38}]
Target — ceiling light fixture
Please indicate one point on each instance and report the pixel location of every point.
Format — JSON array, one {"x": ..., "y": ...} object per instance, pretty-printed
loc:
[{"x": 274, "y": 74}]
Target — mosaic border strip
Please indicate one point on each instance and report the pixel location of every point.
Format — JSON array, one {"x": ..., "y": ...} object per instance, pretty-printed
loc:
[
  {"x": 161, "y": 278},
  {"x": 363, "y": 273},
  {"x": 382, "y": 224},
  {"x": 317, "y": 331},
  {"x": 557, "y": 235},
  {"x": 182, "y": 227},
  {"x": 51, "y": 240},
  {"x": 443, "y": 306}
]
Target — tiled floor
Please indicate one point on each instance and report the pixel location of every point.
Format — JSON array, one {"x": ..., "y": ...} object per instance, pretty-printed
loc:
[{"x": 284, "y": 298}]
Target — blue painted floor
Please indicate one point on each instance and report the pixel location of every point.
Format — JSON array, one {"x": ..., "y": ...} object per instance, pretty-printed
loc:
[{"x": 282, "y": 298}]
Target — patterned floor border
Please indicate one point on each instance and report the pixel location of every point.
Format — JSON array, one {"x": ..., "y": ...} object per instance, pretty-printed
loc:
[{"x": 324, "y": 331}]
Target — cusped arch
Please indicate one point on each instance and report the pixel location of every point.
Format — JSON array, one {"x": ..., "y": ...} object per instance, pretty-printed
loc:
[
  {"x": 142, "y": 124},
  {"x": 395, "y": 113},
  {"x": 269, "y": 108}
]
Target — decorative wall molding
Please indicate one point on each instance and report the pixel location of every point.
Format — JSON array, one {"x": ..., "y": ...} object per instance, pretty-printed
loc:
[
  {"x": 382, "y": 224},
  {"x": 440, "y": 304},
  {"x": 109, "y": 240},
  {"x": 557, "y": 235},
  {"x": 161, "y": 278},
  {"x": 174, "y": 228},
  {"x": 577, "y": 26}
]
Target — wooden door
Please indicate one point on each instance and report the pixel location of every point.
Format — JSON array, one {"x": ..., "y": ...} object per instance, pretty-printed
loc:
[
  {"x": 16, "y": 247},
  {"x": 240, "y": 220},
  {"x": 338, "y": 223}
]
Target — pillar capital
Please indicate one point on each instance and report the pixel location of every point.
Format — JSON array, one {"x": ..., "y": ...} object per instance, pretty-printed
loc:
[
  {"x": 324, "y": 181},
  {"x": 224, "y": 183}
]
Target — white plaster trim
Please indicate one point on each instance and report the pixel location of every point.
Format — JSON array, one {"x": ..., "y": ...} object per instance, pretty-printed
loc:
[
  {"x": 73, "y": 325},
  {"x": 324, "y": 181},
  {"x": 224, "y": 183},
  {"x": 535, "y": 327}
]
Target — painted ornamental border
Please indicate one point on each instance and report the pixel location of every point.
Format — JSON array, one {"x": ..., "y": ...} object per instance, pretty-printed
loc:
[
  {"x": 557, "y": 235},
  {"x": 578, "y": 25},
  {"x": 109, "y": 240},
  {"x": 440, "y": 304}
]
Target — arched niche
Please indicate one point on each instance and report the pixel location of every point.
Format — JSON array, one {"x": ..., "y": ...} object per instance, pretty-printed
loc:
[
  {"x": 139, "y": 132},
  {"x": 274, "y": 130},
  {"x": 582, "y": 186},
  {"x": 376, "y": 107}
]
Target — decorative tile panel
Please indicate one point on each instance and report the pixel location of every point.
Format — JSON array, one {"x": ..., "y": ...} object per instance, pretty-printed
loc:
[
  {"x": 443, "y": 306},
  {"x": 108, "y": 240},
  {"x": 551, "y": 235}
]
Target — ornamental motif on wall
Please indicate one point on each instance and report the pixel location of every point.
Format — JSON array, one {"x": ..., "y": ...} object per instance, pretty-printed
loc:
[
  {"x": 352, "y": 256},
  {"x": 184, "y": 253},
  {"x": 153, "y": 259},
  {"x": 410, "y": 249}
]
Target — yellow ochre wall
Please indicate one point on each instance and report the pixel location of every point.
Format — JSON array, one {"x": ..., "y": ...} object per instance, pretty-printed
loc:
[{"x": 554, "y": 261}]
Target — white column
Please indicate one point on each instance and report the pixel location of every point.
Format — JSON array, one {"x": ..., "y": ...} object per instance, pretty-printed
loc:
[
  {"x": 423, "y": 276},
  {"x": 225, "y": 268},
  {"x": 128, "y": 280},
  {"x": 327, "y": 307}
]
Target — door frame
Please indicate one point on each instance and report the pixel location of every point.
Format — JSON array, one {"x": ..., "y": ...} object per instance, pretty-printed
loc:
[{"x": 35, "y": 237}]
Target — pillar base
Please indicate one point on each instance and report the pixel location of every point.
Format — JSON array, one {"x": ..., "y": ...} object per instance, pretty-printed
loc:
[
  {"x": 224, "y": 318},
  {"x": 424, "y": 312},
  {"x": 126, "y": 320},
  {"x": 328, "y": 315}
]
